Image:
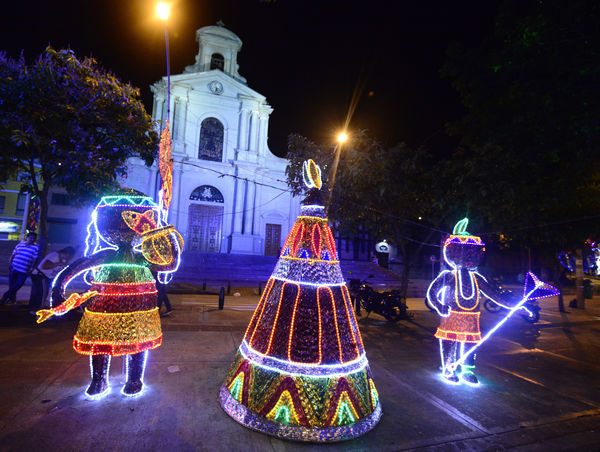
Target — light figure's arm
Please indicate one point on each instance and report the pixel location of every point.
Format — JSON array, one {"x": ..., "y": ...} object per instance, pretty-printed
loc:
[
  {"x": 436, "y": 291},
  {"x": 493, "y": 294},
  {"x": 62, "y": 280}
]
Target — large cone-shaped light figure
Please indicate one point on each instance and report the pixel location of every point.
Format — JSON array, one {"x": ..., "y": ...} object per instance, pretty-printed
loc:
[{"x": 301, "y": 371}]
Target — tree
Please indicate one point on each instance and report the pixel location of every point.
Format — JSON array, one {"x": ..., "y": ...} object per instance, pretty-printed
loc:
[
  {"x": 383, "y": 191},
  {"x": 531, "y": 134},
  {"x": 67, "y": 122}
]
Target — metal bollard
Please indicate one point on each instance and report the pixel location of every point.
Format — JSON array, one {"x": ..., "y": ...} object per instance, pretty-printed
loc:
[
  {"x": 228, "y": 287},
  {"x": 221, "y": 298},
  {"x": 204, "y": 286},
  {"x": 260, "y": 288}
]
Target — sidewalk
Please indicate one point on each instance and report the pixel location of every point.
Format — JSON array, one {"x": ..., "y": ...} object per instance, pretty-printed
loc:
[{"x": 540, "y": 387}]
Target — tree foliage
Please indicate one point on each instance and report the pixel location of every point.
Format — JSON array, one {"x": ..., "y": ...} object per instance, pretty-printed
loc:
[
  {"x": 531, "y": 133},
  {"x": 389, "y": 192},
  {"x": 67, "y": 122}
]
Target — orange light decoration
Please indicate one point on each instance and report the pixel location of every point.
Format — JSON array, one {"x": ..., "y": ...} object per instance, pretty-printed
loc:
[
  {"x": 140, "y": 222},
  {"x": 165, "y": 166}
]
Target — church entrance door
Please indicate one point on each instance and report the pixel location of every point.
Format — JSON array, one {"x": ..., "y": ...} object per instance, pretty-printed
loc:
[
  {"x": 272, "y": 239},
  {"x": 205, "y": 228}
]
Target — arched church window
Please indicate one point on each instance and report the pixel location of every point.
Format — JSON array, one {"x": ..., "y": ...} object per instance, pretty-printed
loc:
[
  {"x": 207, "y": 193},
  {"x": 211, "y": 140},
  {"x": 217, "y": 62}
]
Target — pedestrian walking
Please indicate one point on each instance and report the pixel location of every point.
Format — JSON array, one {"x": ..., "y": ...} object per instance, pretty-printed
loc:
[
  {"x": 162, "y": 297},
  {"x": 45, "y": 272},
  {"x": 21, "y": 264}
]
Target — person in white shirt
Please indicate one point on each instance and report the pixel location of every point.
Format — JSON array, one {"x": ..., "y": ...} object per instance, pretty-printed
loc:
[{"x": 44, "y": 274}]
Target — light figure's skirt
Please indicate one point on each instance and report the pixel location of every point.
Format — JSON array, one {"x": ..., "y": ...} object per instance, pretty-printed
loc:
[
  {"x": 115, "y": 334},
  {"x": 294, "y": 432},
  {"x": 460, "y": 326},
  {"x": 317, "y": 408}
]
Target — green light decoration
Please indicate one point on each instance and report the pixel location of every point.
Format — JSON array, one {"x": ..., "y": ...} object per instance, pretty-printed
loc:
[
  {"x": 236, "y": 388},
  {"x": 461, "y": 227},
  {"x": 283, "y": 415}
]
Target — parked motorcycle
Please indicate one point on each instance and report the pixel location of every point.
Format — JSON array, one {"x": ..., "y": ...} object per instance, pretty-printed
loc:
[
  {"x": 388, "y": 304},
  {"x": 532, "y": 315}
]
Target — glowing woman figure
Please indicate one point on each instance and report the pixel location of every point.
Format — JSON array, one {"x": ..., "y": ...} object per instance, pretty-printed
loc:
[
  {"x": 301, "y": 371},
  {"x": 456, "y": 294},
  {"x": 124, "y": 245}
]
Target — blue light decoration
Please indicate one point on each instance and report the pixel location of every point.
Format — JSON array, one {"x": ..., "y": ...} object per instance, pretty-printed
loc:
[
  {"x": 126, "y": 243},
  {"x": 301, "y": 371},
  {"x": 456, "y": 293}
]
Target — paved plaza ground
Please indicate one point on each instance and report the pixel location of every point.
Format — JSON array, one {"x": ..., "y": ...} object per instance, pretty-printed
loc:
[{"x": 540, "y": 386}]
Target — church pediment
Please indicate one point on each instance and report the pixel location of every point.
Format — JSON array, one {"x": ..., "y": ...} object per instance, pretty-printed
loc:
[{"x": 213, "y": 82}]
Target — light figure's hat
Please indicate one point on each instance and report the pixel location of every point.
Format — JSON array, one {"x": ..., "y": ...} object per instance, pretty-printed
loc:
[
  {"x": 461, "y": 236},
  {"x": 301, "y": 371}
]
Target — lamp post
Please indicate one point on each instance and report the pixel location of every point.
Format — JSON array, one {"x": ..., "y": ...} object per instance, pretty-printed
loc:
[
  {"x": 162, "y": 9},
  {"x": 341, "y": 139},
  {"x": 165, "y": 162}
]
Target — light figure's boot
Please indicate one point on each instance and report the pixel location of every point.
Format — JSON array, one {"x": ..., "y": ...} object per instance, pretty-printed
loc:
[
  {"x": 136, "y": 365},
  {"x": 448, "y": 350},
  {"x": 100, "y": 366},
  {"x": 467, "y": 374}
]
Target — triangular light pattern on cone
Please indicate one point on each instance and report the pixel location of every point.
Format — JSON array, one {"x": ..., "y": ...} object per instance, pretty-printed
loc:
[{"x": 301, "y": 371}]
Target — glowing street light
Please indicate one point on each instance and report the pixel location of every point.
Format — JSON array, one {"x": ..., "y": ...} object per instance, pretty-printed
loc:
[
  {"x": 162, "y": 9},
  {"x": 341, "y": 139}
]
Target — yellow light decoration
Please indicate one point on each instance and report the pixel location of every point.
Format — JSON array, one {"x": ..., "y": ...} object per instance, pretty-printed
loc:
[
  {"x": 121, "y": 331},
  {"x": 311, "y": 174},
  {"x": 70, "y": 303},
  {"x": 157, "y": 245}
]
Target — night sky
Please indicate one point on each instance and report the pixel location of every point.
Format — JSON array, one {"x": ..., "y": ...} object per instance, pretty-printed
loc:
[{"x": 306, "y": 57}]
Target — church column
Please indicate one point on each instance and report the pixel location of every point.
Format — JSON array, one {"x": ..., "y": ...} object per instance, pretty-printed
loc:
[
  {"x": 243, "y": 130},
  {"x": 253, "y": 133},
  {"x": 238, "y": 209},
  {"x": 264, "y": 130},
  {"x": 257, "y": 202},
  {"x": 249, "y": 207},
  {"x": 177, "y": 205}
]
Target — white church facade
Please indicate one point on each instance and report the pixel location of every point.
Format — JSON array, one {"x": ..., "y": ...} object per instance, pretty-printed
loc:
[{"x": 229, "y": 190}]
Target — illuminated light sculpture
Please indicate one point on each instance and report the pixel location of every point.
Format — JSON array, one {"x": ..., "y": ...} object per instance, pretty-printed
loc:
[
  {"x": 125, "y": 243},
  {"x": 455, "y": 294},
  {"x": 301, "y": 371},
  {"x": 165, "y": 167}
]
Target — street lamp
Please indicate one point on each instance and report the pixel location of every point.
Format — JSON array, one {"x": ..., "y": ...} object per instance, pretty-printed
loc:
[
  {"x": 162, "y": 9},
  {"x": 165, "y": 163},
  {"x": 341, "y": 139}
]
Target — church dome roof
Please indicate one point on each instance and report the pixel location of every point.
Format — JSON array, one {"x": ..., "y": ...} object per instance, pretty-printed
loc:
[{"x": 218, "y": 31}]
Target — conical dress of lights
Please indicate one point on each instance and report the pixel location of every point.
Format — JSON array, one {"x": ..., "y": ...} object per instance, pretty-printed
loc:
[
  {"x": 301, "y": 371},
  {"x": 165, "y": 163}
]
